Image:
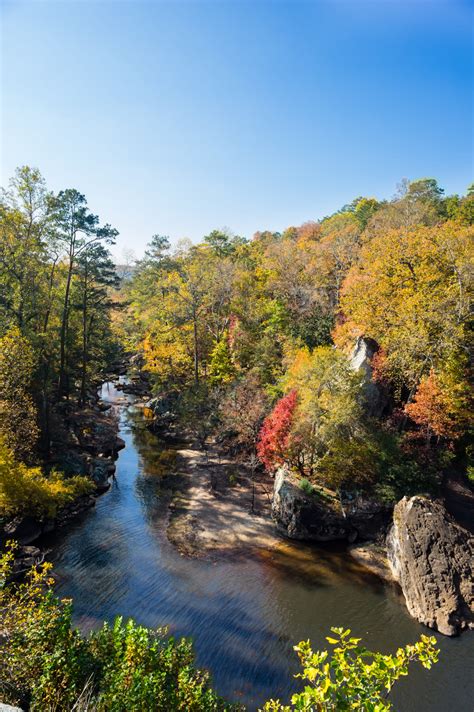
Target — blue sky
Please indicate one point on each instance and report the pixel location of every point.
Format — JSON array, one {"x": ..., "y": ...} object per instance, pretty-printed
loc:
[{"x": 179, "y": 117}]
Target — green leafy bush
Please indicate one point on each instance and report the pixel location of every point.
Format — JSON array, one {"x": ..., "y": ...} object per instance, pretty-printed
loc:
[
  {"x": 380, "y": 461},
  {"x": 46, "y": 665},
  {"x": 306, "y": 486},
  {"x": 143, "y": 669},
  {"x": 352, "y": 677}
]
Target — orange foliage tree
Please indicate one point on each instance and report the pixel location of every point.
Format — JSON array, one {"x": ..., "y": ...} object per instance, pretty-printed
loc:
[
  {"x": 410, "y": 291},
  {"x": 441, "y": 405}
]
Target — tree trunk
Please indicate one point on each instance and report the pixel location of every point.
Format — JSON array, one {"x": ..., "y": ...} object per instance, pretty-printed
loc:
[
  {"x": 45, "y": 441},
  {"x": 82, "y": 398},
  {"x": 196, "y": 353},
  {"x": 64, "y": 325},
  {"x": 50, "y": 297}
]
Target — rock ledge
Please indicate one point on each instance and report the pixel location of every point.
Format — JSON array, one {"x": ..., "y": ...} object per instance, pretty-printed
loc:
[{"x": 311, "y": 517}]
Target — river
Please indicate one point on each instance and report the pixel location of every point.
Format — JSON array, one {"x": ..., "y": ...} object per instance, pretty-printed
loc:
[{"x": 244, "y": 614}]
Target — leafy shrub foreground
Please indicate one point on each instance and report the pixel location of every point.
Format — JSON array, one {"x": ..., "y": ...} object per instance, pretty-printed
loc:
[
  {"x": 352, "y": 677},
  {"x": 46, "y": 665}
]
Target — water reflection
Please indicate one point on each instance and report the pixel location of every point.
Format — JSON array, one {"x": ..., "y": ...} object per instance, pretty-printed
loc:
[{"x": 243, "y": 614}]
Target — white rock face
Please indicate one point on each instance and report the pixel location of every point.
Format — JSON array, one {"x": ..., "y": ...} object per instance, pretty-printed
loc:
[
  {"x": 361, "y": 357},
  {"x": 363, "y": 352}
]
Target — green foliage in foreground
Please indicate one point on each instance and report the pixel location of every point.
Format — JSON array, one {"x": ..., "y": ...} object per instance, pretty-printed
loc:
[
  {"x": 352, "y": 677},
  {"x": 46, "y": 665}
]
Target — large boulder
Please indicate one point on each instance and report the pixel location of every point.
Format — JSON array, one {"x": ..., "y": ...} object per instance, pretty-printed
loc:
[
  {"x": 82, "y": 435},
  {"x": 71, "y": 461},
  {"x": 136, "y": 385},
  {"x": 432, "y": 558},
  {"x": 312, "y": 517},
  {"x": 85, "y": 431},
  {"x": 302, "y": 516}
]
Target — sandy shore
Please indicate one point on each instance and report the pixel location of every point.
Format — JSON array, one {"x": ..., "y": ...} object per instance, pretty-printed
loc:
[{"x": 213, "y": 515}]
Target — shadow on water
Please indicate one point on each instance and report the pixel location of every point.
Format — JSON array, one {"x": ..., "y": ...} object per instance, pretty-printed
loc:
[
  {"x": 326, "y": 565},
  {"x": 243, "y": 613}
]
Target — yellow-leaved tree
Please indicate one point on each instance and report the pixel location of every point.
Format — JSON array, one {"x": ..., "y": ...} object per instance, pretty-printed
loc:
[
  {"x": 410, "y": 290},
  {"x": 18, "y": 416},
  {"x": 27, "y": 491}
]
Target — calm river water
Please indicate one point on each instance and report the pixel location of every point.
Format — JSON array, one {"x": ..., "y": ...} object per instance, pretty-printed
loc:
[{"x": 244, "y": 615}]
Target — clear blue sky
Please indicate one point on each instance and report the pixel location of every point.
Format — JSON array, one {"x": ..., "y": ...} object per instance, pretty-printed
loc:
[{"x": 178, "y": 117}]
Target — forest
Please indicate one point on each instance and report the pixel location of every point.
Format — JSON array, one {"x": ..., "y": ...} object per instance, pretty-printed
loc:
[
  {"x": 248, "y": 340},
  {"x": 247, "y": 343}
]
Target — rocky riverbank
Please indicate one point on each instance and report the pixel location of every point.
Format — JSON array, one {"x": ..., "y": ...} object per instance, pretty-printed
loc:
[
  {"x": 421, "y": 546},
  {"x": 85, "y": 443}
]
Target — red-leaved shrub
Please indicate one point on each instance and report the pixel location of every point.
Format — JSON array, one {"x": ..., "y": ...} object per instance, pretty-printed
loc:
[{"x": 274, "y": 436}]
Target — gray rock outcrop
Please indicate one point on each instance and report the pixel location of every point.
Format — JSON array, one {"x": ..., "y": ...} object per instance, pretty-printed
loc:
[
  {"x": 361, "y": 360},
  {"x": 300, "y": 516},
  {"x": 24, "y": 530},
  {"x": 432, "y": 558},
  {"x": 311, "y": 517}
]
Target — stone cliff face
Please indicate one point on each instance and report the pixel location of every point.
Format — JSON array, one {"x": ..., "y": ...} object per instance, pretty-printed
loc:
[
  {"x": 376, "y": 398},
  {"x": 432, "y": 558},
  {"x": 310, "y": 517}
]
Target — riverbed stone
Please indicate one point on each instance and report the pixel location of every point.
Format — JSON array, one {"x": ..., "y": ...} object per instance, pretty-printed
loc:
[
  {"x": 100, "y": 472},
  {"x": 119, "y": 444},
  {"x": 432, "y": 558}
]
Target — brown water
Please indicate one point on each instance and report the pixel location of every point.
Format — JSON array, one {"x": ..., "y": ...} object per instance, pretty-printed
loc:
[{"x": 244, "y": 615}]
